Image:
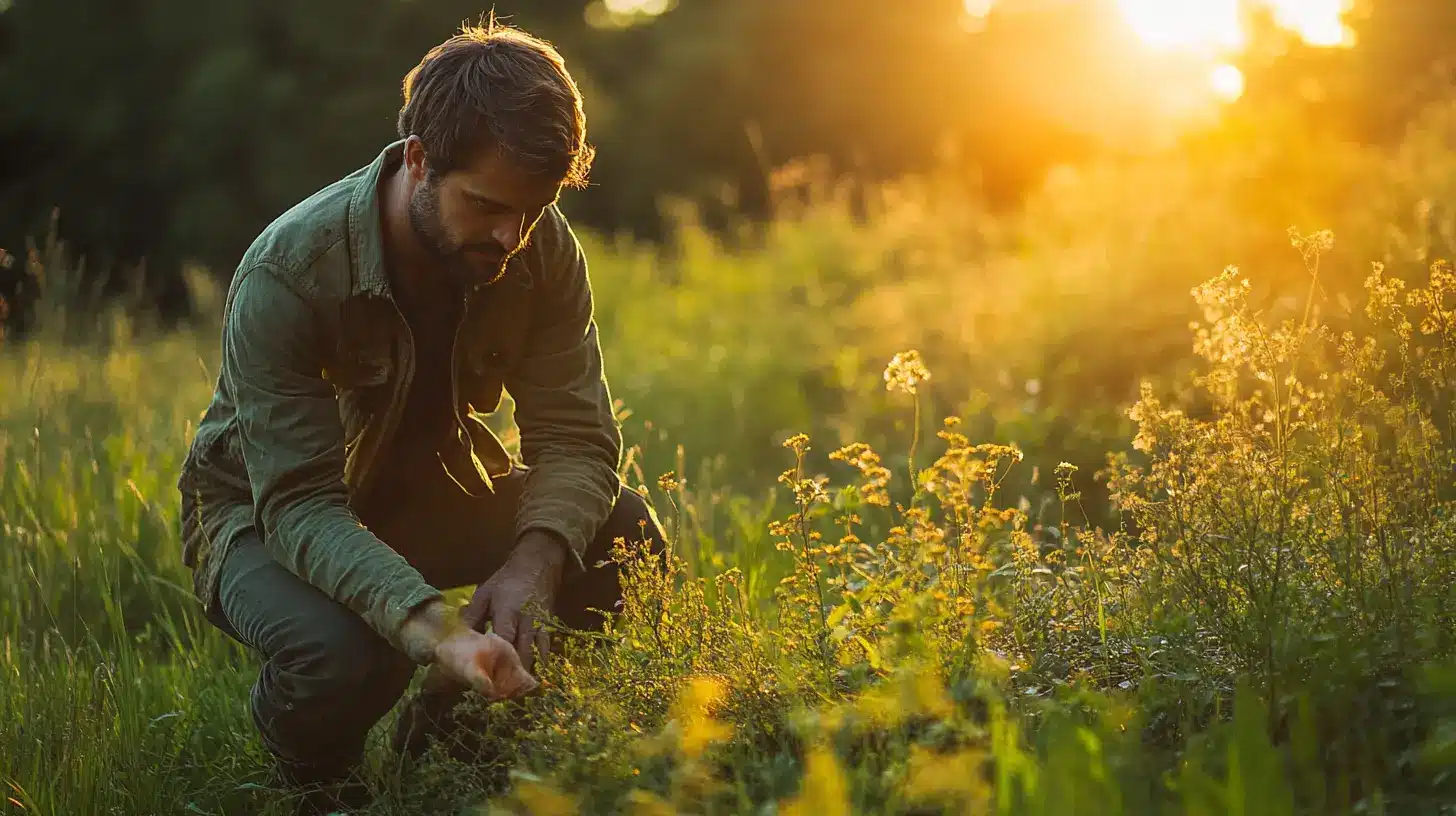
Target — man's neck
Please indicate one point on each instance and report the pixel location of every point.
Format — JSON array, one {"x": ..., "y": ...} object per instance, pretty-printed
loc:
[{"x": 405, "y": 261}]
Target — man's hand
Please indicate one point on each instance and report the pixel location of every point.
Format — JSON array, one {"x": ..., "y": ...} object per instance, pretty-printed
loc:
[
  {"x": 486, "y": 663},
  {"x": 519, "y": 591}
]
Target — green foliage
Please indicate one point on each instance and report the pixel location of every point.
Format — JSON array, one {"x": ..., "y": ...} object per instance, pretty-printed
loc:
[
  {"x": 906, "y": 621},
  {"x": 170, "y": 131}
]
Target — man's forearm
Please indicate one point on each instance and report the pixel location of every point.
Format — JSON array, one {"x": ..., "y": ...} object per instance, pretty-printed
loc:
[{"x": 322, "y": 541}]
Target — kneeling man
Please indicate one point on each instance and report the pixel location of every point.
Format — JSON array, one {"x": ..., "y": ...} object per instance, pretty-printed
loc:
[{"x": 341, "y": 478}]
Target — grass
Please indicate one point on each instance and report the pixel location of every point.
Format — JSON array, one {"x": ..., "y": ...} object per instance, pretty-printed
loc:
[{"x": 1068, "y": 557}]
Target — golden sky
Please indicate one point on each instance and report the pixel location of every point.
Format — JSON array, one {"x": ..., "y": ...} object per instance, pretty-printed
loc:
[{"x": 1213, "y": 31}]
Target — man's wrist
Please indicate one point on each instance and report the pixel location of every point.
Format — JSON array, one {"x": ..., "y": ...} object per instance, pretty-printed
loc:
[
  {"x": 426, "y": 626},
  {"x": 546, "y": 545}
]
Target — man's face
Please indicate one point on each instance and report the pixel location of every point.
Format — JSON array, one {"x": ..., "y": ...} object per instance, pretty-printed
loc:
[{"x": 477, "y": 216}]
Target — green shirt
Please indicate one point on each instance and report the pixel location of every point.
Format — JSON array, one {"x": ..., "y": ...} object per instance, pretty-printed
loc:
[{"x": 317, "y": 362}]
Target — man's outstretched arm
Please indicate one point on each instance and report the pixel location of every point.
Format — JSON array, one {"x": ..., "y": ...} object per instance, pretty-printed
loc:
[{"x": 293, "y": 445}]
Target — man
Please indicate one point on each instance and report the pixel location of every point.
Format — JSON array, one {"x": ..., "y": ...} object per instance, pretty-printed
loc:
[{"x": 340, "y": 478}]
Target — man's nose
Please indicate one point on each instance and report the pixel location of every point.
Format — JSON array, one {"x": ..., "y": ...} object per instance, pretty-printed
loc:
[{"x": 508, "y": 234}]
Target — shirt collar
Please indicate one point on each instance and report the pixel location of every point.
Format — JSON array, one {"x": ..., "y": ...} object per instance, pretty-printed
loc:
[{"x": 366, "y": 239}]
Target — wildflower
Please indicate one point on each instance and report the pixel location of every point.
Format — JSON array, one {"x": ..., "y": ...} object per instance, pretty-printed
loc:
[
  {"x": 806, "y": 491},
  {"x": 1316, "y": 243},
  {"x": 940, "y": 777},
  {"x": 876, "y": 476},
  {"x": 541, "y": 799},
  {"x": 1438, "y": 319},
  {"x": 692, "y": 711},
  {"x": 798, "y": 443},
  {"x": 825, "y": 791},
  {"x": 646, "y": 803},
  {"x": 906, "y": 372}
]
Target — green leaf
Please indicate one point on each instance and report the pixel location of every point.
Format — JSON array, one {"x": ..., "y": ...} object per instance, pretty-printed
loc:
[{"x": 871, "y": 652}]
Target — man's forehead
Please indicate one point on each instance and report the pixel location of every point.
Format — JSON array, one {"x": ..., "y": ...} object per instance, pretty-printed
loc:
[{"x": 497, "y": 180}]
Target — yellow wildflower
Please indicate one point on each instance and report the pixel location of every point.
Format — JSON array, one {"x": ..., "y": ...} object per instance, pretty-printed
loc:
[
  {"x": 906, "y": 372},
  {"x": 825, "y": 791}
]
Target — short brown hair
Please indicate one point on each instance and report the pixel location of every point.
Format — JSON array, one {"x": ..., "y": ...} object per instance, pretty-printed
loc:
[{"x": 493, "y": 86}]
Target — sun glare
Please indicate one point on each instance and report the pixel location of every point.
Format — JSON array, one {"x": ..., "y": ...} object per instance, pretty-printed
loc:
[
  {"x": 1199, "y": 25},
  {"x": 1318, "y": 22},
  {"x": 649, "y": 8},
  {"x": 1227, "y": 82},
  {"x": 1207, "y": 26},
  {"x": 1217, "y": 26}
]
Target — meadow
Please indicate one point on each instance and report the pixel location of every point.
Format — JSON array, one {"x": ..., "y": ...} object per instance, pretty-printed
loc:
[{"x": 1135, "y": 499}]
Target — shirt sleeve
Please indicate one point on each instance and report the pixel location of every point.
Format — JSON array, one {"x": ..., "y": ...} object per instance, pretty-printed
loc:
[
  {"x": 570, "y": 440},
  {"x": 292, "y": 442}
]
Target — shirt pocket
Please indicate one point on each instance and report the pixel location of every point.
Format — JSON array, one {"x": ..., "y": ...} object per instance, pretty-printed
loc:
[
  {"x": 496, "y": 345},
  {"x": 362, "y": 386}
]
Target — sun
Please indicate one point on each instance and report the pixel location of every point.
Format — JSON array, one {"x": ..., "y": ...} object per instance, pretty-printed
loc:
[
  {"x": 1226, "y": 81},
  {"x": 1187, "y": 25},
  {"x": 1217, "y": 26},
  {"x": 1211, "y": 27},
  {"x": 1319, "y": 22},
  {"x": 1208, "y": 34}
]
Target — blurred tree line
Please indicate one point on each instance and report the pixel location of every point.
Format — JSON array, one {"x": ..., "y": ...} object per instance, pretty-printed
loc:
[{"x": 168, "y": 132}]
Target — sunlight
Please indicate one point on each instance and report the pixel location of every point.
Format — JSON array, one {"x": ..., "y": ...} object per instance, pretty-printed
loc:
[
  {"x": 1198, "y": 25},
  {"x": 1217, "y": 26},
  {"x": 1203, "y": 26},
  {"x": 978, "y": 8},
  {"x": 1318, "y": 22},
  {"x": 1227, "y": 82},
  {"x": 650, "y": 8}
]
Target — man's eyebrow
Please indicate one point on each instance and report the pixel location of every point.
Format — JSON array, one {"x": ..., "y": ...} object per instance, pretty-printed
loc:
[{"x": 485, "y": 199}]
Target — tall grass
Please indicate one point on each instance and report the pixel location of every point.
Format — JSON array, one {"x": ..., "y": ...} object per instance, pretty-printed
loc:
[{"x": 1069, "y": 557}]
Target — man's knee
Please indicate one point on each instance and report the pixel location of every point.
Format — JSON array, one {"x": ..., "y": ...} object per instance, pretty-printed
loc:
[
  {"x": 337, "y": 656},
  {"x": 633, "y": 519},
  {"x": 322, "y": 690}
]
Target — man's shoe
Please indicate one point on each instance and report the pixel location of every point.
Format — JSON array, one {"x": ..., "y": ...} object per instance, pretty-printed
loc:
[
  {"x": 321, "y": 792},
  {"x": 338, "y": 798},
  {"x": 427, "y": 717}
]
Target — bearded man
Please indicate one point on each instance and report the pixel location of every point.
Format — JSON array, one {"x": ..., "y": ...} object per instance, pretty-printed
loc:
[{"x": 341, "y": 477}]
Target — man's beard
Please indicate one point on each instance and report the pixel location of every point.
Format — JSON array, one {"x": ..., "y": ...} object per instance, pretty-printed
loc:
[{"x": 452, "y": 257}]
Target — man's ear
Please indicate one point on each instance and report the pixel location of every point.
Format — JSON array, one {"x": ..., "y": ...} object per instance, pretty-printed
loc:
[{"x": 415, "y": 159}]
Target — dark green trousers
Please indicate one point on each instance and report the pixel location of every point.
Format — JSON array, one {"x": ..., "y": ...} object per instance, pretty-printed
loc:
[{"x": 327, "y": 677}]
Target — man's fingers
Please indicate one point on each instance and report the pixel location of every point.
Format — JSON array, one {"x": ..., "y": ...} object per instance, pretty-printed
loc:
[
  {"x": 504, "y": 623},
  {"x": 505, "y": 668},
  {"x": 525, "y": 636},
  {"x": 477, "y": 612},
  {"x": 543, "y": 643},
  {"x": 481, "y": 683}
]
